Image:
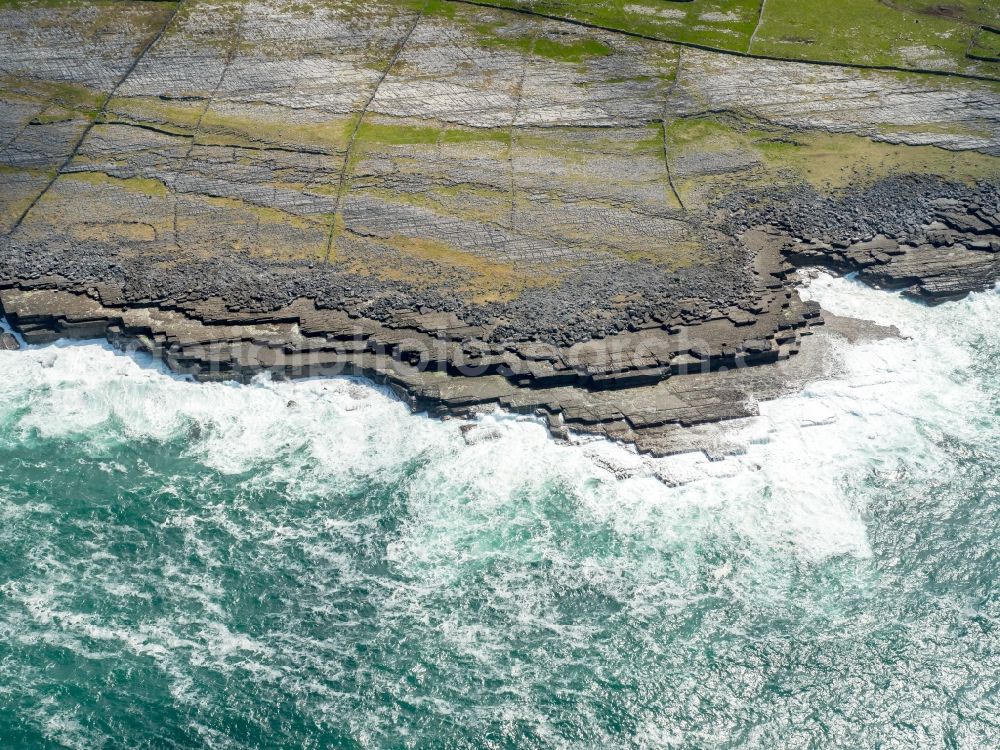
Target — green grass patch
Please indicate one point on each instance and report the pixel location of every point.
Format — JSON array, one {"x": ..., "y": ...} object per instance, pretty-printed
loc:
[
  {"x": 833, "y": 161},
  {"x": 396, "y": 135},
  {"x": 902, "y": 33},
  {"x": 827, "y": 161},
  {"x": 672, "y": 255},
  {"x": 475, "y": 135},
  {"x": 75, "y": 4},
  {"x": 870, "y": 32},
  {"x": 574, "y": 51},
  {"x": 143, "y": 185},
  {"x": 717, "y": 23},
  {"x": 383, "y": 132},
  {"x": 54, "y": 114},
  {"x": 441, "y": 8},
  {"x": 970, "y": 11},
  {"x": 703, "y": 132},
  {"x": 219, "y": 128},
  {"x": 428, "y": 262},
  {"x": 263, "y": 214},
  {"x": 576, "y": 142},
  {"x": 472, "y": 202},
  {"x": 987, "y": 44},
  {"x": 80, "y": 99},
  {"x": 148, "y": 109}
]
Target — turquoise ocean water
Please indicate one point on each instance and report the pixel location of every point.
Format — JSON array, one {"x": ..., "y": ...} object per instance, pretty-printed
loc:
[{"x": 308, "y": 565}]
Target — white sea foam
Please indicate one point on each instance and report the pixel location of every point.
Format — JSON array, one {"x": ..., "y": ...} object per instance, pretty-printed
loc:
[
  {"x": 511, "y": 540},
  {"x": 786, "y": 490}
]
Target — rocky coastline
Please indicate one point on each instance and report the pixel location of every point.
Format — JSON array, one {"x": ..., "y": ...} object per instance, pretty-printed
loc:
[
  {"x": 645, "y": 385},
  {"x": 597, "y": 229}
]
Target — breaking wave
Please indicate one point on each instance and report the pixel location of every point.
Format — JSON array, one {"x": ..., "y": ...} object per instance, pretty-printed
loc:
[{"x": 309, "y": 564}]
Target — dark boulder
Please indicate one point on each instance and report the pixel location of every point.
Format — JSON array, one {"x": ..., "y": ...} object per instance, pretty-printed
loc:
[{"x": 8, "y": 343}]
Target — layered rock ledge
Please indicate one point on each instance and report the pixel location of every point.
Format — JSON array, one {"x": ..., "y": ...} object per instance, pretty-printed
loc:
[{"x": 474, "y": 206}]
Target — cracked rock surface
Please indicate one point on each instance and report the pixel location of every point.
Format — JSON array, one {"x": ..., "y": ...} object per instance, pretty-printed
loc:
[{"x": 475, "y": 206}]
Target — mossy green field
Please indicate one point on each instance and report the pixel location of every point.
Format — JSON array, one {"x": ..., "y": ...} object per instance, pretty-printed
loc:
[{"x": 911, "y": 34}]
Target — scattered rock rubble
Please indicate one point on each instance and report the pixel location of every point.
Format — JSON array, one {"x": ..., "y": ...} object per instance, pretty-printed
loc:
[
  {"x": 933, "y": 240},
  {"x": 266, "y": 190},
  {"x": 692, "y": 368}
]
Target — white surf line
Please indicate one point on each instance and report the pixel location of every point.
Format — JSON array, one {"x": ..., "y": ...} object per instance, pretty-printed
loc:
[{"x": 782, "y": 491}]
